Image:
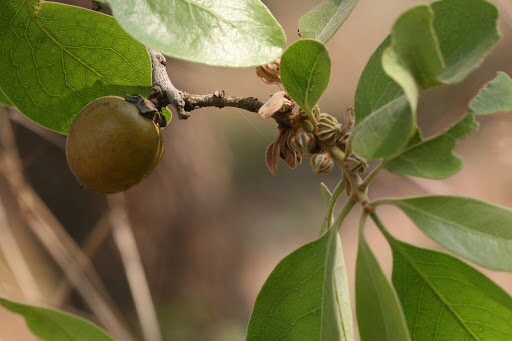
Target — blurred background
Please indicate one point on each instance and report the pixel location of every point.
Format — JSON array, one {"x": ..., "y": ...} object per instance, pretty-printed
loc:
[{"x": 211, "y": 222}]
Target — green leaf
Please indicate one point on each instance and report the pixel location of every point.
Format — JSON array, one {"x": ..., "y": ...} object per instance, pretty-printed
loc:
[
  {"x": 440, "y": 44},
  {"x": 305, "y": 297},
  {"x": 496, "y": 96},
  {"x": 381, "y": 134},
  {"x": 445, "y": 299},
  {"x": 167, "y": 114},
  {"x": 3, "y": 99},
  {"x": 467, "y": 30},
  {"x": 375, "y": 88},
  {"x": 324, "y": 20},
  {"x": 414, "y": 58},
  {"x": 55, "y": 58},
  {"x": 379, "y": 313},
  {"x": 433, "y": 158},
  {"x": 222, "y": 33},
  {"x": 305, "y": 70},
  {"x": 53, "y": 325},
  {"x": 422, "y": 51},
  {"x": 473, "y": 229}
]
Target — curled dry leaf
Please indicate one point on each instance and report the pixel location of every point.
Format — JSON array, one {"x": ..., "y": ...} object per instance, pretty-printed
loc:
[
  {"x": 277, "y": 103},
  {"x": 272, "y": 157},
  {"x": 269, "y": 73},
  {"x": 275, "y": 149}
]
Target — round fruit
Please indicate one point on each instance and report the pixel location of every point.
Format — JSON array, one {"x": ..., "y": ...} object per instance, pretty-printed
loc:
[{"x": 111, "y": 147}]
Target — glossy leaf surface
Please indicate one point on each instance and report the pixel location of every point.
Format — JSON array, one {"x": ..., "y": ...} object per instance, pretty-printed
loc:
[
  {"x": 231, "y": 33},
  {"x": 55, "y": 58},
  {"x": 305, "y": 71},
  {"x": 322, "y": 22}
]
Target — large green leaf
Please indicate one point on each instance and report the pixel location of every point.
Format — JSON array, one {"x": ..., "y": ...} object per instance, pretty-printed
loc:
[
  {"x": 55, "y": 58},
  {"x": 382, "y": 132},
  {"x": 3, "y": 99},
  {"x": 422, "y": 51},
  {"x": 324, "y": 20},
  {"x": 53, "y": 325},
  {"x": 473, "y": 229},
  {"x": 379, "y": 313},
  {"x": 414, "y": 58},
  {"x": 375, "y": 88},
  {"x": 305, "y": 70},
  {"x": 301, "y": 300},
  {"x": 230, "y": 33},
  {"x": 445, "y": 299},
  {"x": 433, "y": 158},
  {"x": 496, "y": 96},
  {"x": 467, "y": 30}
]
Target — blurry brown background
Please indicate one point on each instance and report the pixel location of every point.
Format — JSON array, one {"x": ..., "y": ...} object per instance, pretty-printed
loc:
[{"x": 211, "y": 222}]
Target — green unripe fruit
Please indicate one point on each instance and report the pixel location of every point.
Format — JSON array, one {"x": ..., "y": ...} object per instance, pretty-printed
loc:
[{"x": 111, "y": 146}]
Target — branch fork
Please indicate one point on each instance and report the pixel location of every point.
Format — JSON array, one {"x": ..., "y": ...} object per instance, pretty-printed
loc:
[{"x": 164, "y": 93}]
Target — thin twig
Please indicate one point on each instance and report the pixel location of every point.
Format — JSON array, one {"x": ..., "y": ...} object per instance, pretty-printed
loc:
[
  {"x": 95, "y": 239},
  {"x": 53, "y": 236},
  {"x": 127, "y": 246},
  {"x": 16, "y": 261},
  {"x": 220, "y": 100},
  {"x": 165, "y": 93}
]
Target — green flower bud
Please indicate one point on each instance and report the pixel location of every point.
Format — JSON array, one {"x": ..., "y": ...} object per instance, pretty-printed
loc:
[{"x": 328, "y": 129}]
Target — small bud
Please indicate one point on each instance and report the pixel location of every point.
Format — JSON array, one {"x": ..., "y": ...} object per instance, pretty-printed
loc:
[
  {"x": 301, "y": 141},
  {"x": 322, "y": 163},
  {"x": 328, "y": 129}
]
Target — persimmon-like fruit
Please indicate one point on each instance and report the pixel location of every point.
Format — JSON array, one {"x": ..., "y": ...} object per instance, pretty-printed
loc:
[{"x": 111, "y": 146}]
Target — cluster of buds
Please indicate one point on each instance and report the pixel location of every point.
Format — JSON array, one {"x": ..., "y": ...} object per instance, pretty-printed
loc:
[
  {"x": 328, "y": 129},
  {"x": 300, "y": 137}
]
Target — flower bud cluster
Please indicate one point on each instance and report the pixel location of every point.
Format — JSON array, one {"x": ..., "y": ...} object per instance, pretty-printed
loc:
[
  {"x": 301, "y": 135},
  {"x": 328, "y": 129}
]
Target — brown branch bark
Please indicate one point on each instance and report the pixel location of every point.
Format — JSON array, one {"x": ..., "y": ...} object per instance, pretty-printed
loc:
[{"x": 165, "y": 93}]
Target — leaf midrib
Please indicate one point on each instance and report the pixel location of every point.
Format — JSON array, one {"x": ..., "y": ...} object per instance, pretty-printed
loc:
[
  {"x": 449, "y": 222},
  {"x": 212, "y": 13},
  {"x": 396, "y": 246},
  {"x": 34, "y": 18},
  {"x": 310, "y": 78}
]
